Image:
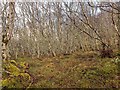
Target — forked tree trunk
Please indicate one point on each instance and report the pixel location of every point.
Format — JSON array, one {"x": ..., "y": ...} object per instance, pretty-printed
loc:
[{"x": 7, "y": 33}]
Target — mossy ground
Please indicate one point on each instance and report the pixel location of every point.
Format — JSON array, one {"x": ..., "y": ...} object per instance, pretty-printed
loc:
[{"x": 74, "y": 71}]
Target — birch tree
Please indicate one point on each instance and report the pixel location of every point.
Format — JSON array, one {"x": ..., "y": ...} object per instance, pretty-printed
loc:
[{"x": 7, "y": 32}]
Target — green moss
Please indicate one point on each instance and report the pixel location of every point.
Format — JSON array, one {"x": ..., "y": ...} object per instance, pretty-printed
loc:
[
  {"x": 14, "y": 75},
  {"x": 109, "y": 68}
]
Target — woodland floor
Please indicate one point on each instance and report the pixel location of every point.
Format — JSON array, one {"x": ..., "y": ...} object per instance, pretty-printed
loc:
[{"x": 74, "y": 71}]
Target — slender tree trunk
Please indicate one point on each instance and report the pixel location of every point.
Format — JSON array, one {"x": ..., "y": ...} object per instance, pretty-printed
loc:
[
  {"x": 119, "y": 27},
  {"x": 0, "y": 47},
  {"x": 8, "y": 32}
]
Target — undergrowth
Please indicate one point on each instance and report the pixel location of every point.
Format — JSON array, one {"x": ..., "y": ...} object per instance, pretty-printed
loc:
[{"x": 71, "y": 71}]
